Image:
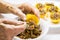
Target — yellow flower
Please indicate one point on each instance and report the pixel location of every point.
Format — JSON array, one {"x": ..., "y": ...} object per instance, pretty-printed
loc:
[{"x": 32, "y": 18}]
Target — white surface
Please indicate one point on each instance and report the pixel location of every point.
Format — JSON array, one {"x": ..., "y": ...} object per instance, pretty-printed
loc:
[
  {"x": 52, "y": 37},
  {"x": 54, "y": 30}
]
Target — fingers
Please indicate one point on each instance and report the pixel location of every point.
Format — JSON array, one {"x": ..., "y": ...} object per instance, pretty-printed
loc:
[
  {"x": 15, "y": 29},
  {"x": 29, "y": 8},
  {"x": 6, "y": 25},
  {"x": 11, "y": 22},
  {"x": 10, "y": 8},
  {"x": 18, "y": 12},
  {"x": 2, "y": 33},
  {"x": 37, "y": 13},
  {"x": 25, "y": 7},
  {"x": 20, "y": 28}
]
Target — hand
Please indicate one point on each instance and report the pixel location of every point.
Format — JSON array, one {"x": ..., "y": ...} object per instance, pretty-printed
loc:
[
  {"x": 29, "y": 8},
  {"x": 10, "y": 28},
  {"x": 6, "y": 7}
]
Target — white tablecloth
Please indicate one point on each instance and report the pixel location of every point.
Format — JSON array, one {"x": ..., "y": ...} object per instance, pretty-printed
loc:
[{"x": 52, "y": 37}]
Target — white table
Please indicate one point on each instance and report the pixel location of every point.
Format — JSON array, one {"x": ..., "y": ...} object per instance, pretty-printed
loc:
[
  {"x": 53, "y": 34},
  {"x": 52, "y": 37}
]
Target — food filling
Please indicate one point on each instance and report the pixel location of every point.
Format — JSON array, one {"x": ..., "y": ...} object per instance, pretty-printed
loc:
[
  {"x": 32, "y": 30},
  {"x": 49, "y": 8}
]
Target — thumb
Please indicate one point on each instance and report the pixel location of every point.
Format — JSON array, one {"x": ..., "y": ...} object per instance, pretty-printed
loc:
[{"x": 20, "y": 28}]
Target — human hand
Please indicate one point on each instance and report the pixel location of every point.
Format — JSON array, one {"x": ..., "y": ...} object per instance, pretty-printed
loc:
[
  {"x": 29, "y": 8},
  {"x": 10, "y": 28},
  {"x": 17, "y": 10}
]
